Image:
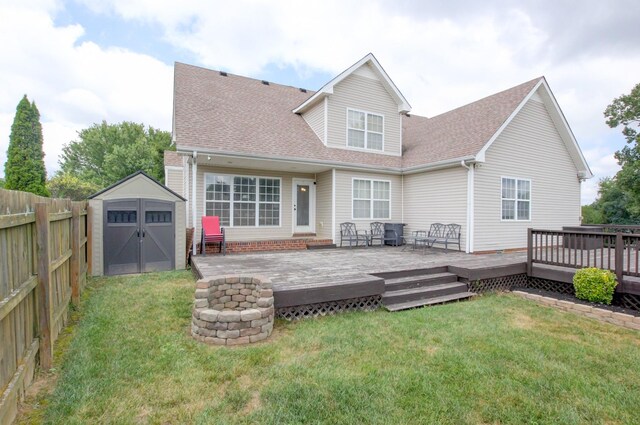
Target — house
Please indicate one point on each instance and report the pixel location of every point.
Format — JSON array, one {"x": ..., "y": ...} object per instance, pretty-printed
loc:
[{"x": 281, "y": 164}]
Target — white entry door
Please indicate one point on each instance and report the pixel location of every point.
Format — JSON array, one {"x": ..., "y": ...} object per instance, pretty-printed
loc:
[{"x": 304, "y": 206}]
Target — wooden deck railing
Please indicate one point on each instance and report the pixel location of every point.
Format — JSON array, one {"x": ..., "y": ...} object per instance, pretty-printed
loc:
[{"x": 617, "y": 252}]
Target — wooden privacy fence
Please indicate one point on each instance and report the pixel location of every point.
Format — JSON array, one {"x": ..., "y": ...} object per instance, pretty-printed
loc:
[
  {"x": 617, "y": 252},
  {"x": 43, "y": 266}
]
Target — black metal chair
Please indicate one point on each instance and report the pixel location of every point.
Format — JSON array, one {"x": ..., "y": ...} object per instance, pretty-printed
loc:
[
  {"x": 378, "y": 232},
  {"x": 349, "y": 232}
]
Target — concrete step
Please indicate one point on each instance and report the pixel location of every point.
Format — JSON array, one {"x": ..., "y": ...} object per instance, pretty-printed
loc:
[
  {"x": 408, "y": 282},
  {"x": 423, "y": 292},
  {"x": 321, "y": 246},
  {"x": 429, "y": 301}
]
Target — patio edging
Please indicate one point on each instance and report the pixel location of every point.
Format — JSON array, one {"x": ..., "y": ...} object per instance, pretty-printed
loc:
[{"x": 621, "y": 319}]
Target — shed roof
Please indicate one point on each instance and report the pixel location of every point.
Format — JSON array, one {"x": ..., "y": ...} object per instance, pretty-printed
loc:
[{"x": 114, "y": 187}]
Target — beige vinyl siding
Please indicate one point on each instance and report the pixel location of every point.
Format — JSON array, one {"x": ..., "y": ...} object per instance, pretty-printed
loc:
[
  {"x": 324, "y": 184},
  {"x": 174, "y": 180},
  {"x": 368, "y": 95},
  {"x": 528, "y": 148},
  {"x": 315, "y": 118},
  {"x": 285, "y": 230},
  {"x": 344, "y": 199},
  {"x": 436, "y": 197}
]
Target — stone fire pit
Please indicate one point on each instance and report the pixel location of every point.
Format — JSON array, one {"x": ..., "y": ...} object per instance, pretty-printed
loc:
[{"x": 232, "y": 310}]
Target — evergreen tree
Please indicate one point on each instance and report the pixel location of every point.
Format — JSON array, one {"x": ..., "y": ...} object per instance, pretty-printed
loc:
[{"x": 25, "y": 169}]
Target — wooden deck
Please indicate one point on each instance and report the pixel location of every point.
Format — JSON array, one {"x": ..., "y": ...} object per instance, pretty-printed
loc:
[{"x": 317, "y": 276}]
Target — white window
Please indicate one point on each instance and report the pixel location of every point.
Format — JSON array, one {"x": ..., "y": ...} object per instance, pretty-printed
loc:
[
  {"x": 364, "y": 130},
  {"x": 516, "y": 199},
  {"x": 243, "y": 201},
  {"x": 371, "y": 199}
]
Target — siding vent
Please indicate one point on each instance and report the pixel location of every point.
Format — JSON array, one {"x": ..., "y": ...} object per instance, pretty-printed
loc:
[
  {"x": 224, "y": 74},
  {"x": 303, "y": 90},
  {"x": 265, "y": 82}
]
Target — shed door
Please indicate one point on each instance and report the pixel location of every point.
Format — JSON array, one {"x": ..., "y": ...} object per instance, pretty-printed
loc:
[
  {"x": 158, "y": 243},
  {"x": 121, "y": 237},
  {"x": 139, "y": 236}
]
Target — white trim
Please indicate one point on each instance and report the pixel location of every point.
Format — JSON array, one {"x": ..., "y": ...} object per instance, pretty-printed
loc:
[
  {"x": 365, "y": 131},
  {"x": 326, "y": 121},
  {"x": 401, "y": 198},
  {"x": 328, "y": 164},
  {"x": 231, "y": 201},
  {"x": 311, "y": 228},
  {"x": 194, "y": 171},
  {"x": 470, "y": 208},
  {"x": 333, "y": 205},
  {"x": 556, "y": 112},
  {"x": 530, "y": 200},
  {"x": 327, "y": 89},
  {"x": 371, "y": 217},
  {"x": 172, "y": 167}
]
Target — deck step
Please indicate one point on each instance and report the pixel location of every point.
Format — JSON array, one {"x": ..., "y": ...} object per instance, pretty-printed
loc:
[
  {"x": 429, "y": 301},
  {"x": 412, "y": 272},
  {"x": 408, "y": 282},
  {"x": 423, "y": 292}
]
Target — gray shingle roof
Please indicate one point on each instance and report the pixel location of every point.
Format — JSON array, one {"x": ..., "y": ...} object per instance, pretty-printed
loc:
[{"x": 238, "y": 115}]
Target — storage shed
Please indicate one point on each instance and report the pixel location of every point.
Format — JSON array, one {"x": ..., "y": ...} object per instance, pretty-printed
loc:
[{"x": 138, "y": 225}]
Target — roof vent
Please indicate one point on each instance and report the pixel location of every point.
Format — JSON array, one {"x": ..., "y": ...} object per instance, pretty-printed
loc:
[
  {"x": 224, "y": 74},
  {"x": 265, "y": 82},
  {"x": 303, "y": 90}
]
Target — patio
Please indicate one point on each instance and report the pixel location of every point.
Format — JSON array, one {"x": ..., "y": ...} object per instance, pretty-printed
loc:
[{"x": 292, "y": 268}]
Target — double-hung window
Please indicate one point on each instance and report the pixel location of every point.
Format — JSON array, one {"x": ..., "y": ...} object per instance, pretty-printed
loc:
[
  {"x": 516, "y": 199},
  {"x": 242, "y": 201},
  {"x": 364, "y": 130},
  {"x": 371, "y": 199}
]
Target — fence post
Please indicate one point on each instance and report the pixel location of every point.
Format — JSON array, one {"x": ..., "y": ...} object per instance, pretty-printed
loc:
[
  {"x": 619, "y": 253},
  {"x": 44, "y": 277},
  {"x": 529, "y": 251},
  {"x": 75, "y": 254}
]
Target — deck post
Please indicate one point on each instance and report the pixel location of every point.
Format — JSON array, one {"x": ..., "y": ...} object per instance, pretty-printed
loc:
[
  {"x": 529, "y": 251},
  {"x": 619, "y": 253},
  {"x": 44, "y": 278}
]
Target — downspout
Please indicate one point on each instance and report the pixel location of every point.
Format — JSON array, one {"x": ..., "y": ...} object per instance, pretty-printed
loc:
[
  {"x": 470, "y": 206},
  {"x": 402, "y": 197},
  {"x": 194, "y": 170}
]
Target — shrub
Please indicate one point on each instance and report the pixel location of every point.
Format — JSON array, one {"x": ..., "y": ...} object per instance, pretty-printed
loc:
[{"x": 595, "y": 285}]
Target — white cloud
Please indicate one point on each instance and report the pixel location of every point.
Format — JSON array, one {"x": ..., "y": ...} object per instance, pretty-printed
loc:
[
  {"x": 74, "y": 84},
  {"x": 440, "y": 56}
]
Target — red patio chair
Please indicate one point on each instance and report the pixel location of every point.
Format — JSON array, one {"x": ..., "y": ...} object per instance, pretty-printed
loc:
[{"x": 212, "y": 232}]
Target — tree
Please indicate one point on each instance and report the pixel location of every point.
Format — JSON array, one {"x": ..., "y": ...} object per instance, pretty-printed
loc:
[
  {"x": 105, "y": 153},
  {"x": 2, "y": 183},
  {"x": 619, "y": 197},
  {"x": 66, "y": 185},
  {"x": 591, "y": 214},
  {"x": 24, "y": 169}
]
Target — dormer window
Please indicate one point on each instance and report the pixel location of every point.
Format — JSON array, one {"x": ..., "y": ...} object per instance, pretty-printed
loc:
[{"x": 364, "y": 130}]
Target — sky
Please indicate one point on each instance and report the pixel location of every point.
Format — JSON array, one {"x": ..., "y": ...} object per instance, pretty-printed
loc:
[{"x": 86, "y": 61}]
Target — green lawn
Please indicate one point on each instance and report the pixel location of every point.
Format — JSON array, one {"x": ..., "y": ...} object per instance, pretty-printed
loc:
[{"x": 496, "y": 359}]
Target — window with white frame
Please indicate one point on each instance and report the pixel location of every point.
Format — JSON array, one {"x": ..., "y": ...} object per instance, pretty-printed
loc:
[
  {"x": 364, "y": 130},
  {"x": 371, "y": 199},
  {"x": 516, "y": 199},
  {"x": 243, "y": 201}
]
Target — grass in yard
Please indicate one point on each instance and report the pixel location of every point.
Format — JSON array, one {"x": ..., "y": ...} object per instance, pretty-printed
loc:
[{"x": 496, "y": 359}]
